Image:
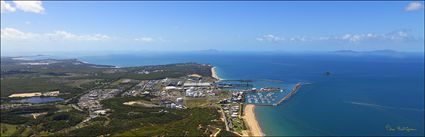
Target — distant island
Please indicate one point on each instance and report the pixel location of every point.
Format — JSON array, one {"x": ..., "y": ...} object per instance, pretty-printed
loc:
[{"x": 374, "y": 52}]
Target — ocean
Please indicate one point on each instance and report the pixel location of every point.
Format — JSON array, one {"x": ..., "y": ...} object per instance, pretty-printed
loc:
[{"x": 363, "y": 95}]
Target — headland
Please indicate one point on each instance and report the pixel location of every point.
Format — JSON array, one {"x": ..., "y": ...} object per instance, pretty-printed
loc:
[{"x": 214, "y": 73}]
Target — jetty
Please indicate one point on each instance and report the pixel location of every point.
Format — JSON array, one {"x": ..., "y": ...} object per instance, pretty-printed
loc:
[
  {"x": 238, "y": 80},
  {"x": 293, "y": 91}
]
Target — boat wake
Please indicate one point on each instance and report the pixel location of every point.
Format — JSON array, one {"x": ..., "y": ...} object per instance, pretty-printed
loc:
[{"x": 383, "y": 107}]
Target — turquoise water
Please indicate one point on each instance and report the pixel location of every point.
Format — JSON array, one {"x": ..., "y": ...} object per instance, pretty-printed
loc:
[
  {"x": 364, "y": 95},
  {"x": 38, "y": 100}
]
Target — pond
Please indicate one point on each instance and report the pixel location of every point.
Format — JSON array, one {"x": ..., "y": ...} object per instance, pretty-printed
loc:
[{"x": 38, "y": 100}]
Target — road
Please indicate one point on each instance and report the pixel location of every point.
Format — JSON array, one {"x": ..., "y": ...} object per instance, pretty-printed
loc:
[{"x": 225, "y": 119}]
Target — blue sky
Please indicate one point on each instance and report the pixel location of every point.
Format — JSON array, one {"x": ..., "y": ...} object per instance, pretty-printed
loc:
[{"x": 54, "y": 26}]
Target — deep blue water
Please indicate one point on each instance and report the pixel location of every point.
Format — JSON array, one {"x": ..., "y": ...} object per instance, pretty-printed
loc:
[
  {"x": 364, "y": 95},
  {"x": 38, "y": 100}
]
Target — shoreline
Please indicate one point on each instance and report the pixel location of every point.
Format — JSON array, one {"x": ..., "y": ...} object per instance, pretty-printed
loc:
[
  {"x": 251, "y": 121},
  {"x": 249, "y": 117},
  {"x": 214, "y": 74}
]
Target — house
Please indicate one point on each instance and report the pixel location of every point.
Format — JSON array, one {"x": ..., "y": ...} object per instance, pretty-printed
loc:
[
  {"x": 170, "y": 87},
  {"x": 100, "y": 112}
]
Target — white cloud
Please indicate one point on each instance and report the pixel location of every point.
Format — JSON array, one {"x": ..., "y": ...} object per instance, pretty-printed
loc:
[
  {"x": 12, "y": 34},
  {"x": 145, "y": 39},
  {"x": 395, "y": 36},
  {"x": 63, "y": 35},
  {"x": 149, "y": 39},
  {"x": 399, "y": 35},
  {"x": 357, "y": 37},
  {"x": 26, "y": 6},
  {"x": 300, "y": 38},
  {"x": 30, "y": 6},
  {"x": 270, "y": 38},
  {"x": 6, "y": 7},
  {"x": 414, "y": 6}
]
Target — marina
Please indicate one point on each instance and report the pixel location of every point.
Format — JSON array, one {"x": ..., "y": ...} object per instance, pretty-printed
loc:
[
  {"x": 262, "y": 96},
  {"x": 268, "y": 97}
]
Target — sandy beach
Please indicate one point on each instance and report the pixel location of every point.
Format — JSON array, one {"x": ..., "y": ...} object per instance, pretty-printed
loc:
[
  {"x": 34, "y": 94},
  {"x": 214, "y": 74},
  {"x": 251, "y": 121}
]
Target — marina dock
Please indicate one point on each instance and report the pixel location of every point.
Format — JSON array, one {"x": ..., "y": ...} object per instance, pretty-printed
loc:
[{"x": 291, "y": 93}]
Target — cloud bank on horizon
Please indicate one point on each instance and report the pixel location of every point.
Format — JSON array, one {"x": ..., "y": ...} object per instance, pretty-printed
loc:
[
  {"x": 25, "y": 22},
  {"x": 395, "y": 36},
  {"x": 11, "y": 34}
]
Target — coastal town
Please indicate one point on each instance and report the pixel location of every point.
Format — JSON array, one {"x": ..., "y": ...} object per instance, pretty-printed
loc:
[
  {"x": 234, "y": 100},
  {"x": 214, "y": 68}
]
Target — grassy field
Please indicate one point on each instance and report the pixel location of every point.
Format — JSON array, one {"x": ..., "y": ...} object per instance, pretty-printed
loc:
[
  {"x": 199, "y": 102},
  {"x": 7, "y": 129},
  {"x": 27, "y": 131}
]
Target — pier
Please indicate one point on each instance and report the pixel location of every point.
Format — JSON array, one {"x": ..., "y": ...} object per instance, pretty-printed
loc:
[
  {"x": 293, "y": 91},
  {"x": 238, "y": 80}
]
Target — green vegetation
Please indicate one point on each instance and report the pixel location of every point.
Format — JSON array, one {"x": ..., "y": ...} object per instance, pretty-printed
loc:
[
  {"x": 56, "y": 121},
  {"x": 126, "y": 120},
  {"x": 224, "y": 133},
  {"x": 50, "y": 120},
  {"x": 25, "y": 84},
  {"x": 8, "y": 129},
  {"x": 197, "y": 122},
  {"x": 199, "y": 102},
  {"x": 14, "y": 116},
  {"x": 238, "y": 125}
]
